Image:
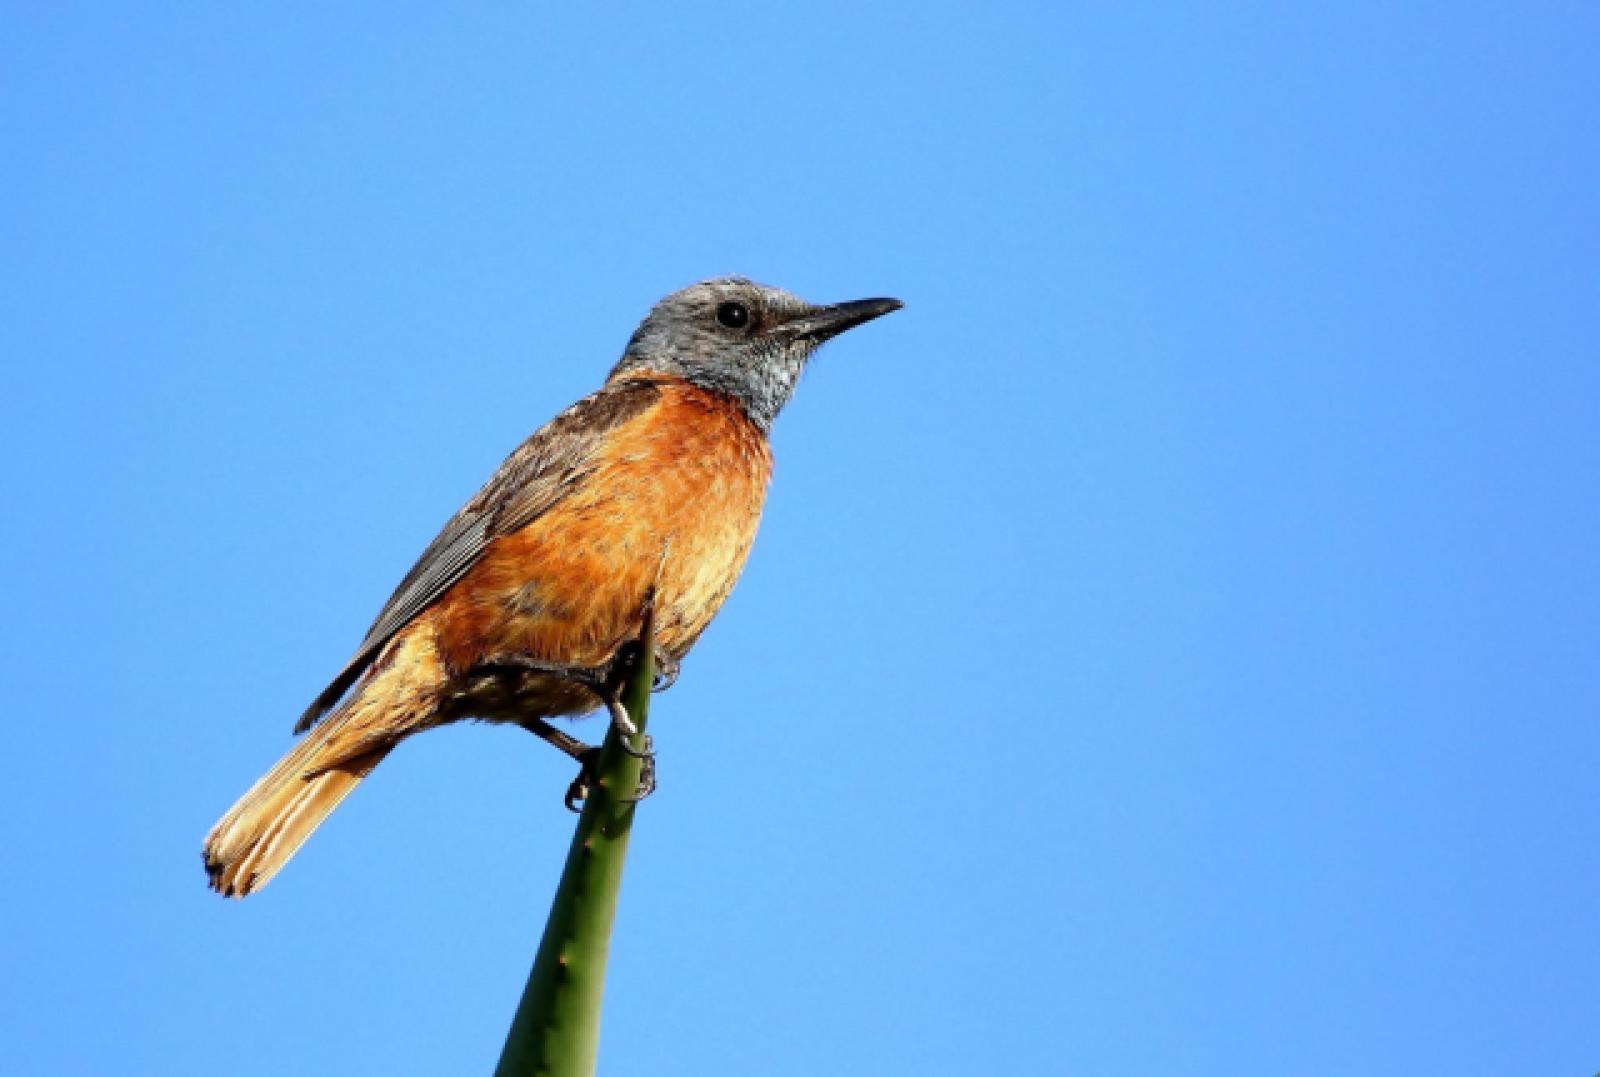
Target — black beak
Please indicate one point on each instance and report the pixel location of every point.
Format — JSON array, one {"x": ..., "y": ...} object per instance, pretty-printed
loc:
[{"x": 825, "y": 322}]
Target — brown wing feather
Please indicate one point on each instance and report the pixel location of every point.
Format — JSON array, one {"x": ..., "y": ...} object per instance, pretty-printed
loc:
[{"x": 542, "y": 471}]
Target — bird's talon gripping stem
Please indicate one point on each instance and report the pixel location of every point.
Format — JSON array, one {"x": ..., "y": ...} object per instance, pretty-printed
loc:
[
  {"x": 578, "y": 791},
  {"x": 647, "y": 773},
  {"x": 589, "y": 763}
]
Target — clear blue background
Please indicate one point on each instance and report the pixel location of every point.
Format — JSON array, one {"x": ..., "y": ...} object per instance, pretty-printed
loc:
[{"x": 1171, "y": 647}]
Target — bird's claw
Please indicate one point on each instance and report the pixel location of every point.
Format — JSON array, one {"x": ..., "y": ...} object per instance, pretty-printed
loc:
[
  {"x": 578, "y": 791},
  {"x": 647, "y": 773}
]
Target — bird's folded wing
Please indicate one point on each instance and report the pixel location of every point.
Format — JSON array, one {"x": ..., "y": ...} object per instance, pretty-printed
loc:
[{"x": 542, "y": 471}]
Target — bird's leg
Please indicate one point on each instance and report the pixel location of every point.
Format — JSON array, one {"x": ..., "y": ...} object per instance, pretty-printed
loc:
[
  {"x": 593, "y": 677},
  {"x": 562, "y": 741},
  {"x": 604, "y": 680},
  {"x": 588, "y": 757},
  {"x": 610, "y": 693}
]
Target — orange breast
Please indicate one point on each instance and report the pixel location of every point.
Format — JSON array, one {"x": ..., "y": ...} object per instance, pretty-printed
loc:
[{"x": 674, "y": 503}]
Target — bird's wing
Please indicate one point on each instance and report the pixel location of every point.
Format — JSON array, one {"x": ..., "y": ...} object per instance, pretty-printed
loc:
[{"x": 535, "y": 477}]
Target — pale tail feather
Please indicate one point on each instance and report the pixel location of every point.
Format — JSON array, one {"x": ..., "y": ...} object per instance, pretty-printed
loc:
[{"x": 262, "y": 831}]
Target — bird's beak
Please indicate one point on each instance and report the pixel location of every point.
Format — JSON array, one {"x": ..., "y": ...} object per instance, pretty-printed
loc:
[{"x": 825, "y": 322}]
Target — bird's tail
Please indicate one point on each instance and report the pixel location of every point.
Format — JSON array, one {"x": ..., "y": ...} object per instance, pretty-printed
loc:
[{"x": 262, "y": 831}]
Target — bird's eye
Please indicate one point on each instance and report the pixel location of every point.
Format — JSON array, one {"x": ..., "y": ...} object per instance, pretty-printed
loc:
[{"x": 733, "y": 315}]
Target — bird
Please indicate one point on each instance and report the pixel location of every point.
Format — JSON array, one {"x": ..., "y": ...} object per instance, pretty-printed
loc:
[{"x": 641, "y": 499}]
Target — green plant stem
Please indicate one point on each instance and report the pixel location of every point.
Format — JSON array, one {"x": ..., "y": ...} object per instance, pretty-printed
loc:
[{"x": 556, "y": 1029}]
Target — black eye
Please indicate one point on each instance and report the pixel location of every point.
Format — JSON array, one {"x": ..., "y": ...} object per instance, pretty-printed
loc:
[{"x": 733, "y": 315}]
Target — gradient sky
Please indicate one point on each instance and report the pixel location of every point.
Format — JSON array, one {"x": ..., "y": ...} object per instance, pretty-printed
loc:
[{"x": 1172, "y": 642}]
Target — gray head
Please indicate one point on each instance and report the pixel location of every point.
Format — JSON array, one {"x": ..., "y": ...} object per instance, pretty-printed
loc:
[{"x": 741, "y": 338}]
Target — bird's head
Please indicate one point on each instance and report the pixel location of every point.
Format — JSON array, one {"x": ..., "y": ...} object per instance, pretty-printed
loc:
[{"x": 741, "y": 338}]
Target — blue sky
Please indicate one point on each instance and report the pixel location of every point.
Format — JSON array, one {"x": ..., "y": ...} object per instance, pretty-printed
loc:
[{"x": 1171, "y": 644}]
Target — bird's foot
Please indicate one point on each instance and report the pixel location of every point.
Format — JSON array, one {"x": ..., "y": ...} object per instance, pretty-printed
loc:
[
  {"x": 647, "y": 773},
  {"x": 588, "y": 777}
]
